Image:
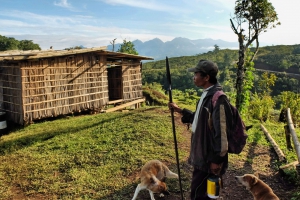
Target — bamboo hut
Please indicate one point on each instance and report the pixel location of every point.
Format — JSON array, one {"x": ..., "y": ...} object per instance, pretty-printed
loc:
[{"x": 40, "y": 84}]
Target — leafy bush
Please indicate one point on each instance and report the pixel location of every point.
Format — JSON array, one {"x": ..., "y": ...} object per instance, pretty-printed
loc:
[
  {"x": 155, "y": 94},
  {"x": 290, "y": 100},
  {"x": 261, "y": 107}
]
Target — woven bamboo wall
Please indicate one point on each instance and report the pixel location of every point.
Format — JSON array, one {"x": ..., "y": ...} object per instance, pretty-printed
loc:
[
  {"x": 63, "y": 85},
  {"x": 132, "y": 81}
]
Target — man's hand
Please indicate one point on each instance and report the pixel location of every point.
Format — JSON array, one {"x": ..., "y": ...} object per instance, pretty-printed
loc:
[{"x": 175, "y": 107}]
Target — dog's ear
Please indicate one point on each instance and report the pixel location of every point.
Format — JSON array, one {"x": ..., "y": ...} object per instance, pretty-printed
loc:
[
  {"x": 254, "y": 180},
  {"x": 152, "y": 181}
]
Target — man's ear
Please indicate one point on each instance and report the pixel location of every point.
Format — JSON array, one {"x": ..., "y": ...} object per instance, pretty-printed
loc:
[{"x": 207, "y": 77}]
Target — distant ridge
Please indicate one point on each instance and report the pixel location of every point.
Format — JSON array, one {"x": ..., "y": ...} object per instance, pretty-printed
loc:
[{"x": 179, "y": 46}]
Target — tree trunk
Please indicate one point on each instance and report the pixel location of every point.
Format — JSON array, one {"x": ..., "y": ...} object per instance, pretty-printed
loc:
[{"x": 240, "y": 72}]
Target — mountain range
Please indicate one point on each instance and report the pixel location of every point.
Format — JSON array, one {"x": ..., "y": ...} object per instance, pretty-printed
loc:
[{"x": 177, "y": 47}]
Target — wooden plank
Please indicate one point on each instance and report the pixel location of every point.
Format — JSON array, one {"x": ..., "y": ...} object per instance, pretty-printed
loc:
[
  {"x": 274, "y": 144},
  {"x": 124, "y": 105},
  {"x": 115, "y": 101}
]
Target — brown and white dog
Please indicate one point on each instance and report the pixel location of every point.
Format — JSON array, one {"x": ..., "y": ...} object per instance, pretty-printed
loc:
[
  {"x": 153, "y": 175},
  {"x": 259, "y": 189}
]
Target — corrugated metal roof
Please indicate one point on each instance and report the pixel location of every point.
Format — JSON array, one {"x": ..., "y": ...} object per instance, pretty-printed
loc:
[{"x": 36, "y": 54}]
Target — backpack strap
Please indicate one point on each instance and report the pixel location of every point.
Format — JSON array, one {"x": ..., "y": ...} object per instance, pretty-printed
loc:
[{"x": 216, "y": 97}]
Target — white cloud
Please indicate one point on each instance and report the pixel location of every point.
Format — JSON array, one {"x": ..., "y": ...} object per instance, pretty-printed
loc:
[
  {"x": 39, "y": 19},
  {"x": 146, "y": 4},
  {"x": 63, "y": 3}
]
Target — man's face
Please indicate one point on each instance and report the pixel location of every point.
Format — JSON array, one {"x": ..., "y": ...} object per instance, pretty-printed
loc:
[{"x": 199, "y": 80}]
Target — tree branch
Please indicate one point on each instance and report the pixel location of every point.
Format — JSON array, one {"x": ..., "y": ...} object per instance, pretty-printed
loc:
[
  {"x": 233, "y": 27},
  {"x": 256, "y": 50}
]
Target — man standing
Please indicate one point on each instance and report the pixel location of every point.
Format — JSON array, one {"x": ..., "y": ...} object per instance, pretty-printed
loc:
[{"x": 209, "y": 145}]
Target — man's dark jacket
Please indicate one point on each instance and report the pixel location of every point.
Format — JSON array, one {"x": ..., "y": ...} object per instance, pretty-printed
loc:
[{"x": 209, "y": 141}]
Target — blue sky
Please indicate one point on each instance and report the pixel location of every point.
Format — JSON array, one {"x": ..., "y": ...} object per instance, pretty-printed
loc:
[{"x": 94, "y": 23}]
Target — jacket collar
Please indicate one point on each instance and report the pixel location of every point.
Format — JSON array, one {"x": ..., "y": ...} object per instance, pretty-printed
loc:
[{"x": 213, "y": 89}]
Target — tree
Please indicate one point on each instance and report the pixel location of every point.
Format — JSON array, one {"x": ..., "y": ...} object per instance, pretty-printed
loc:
[
  {"x": 258, "y": 16},
  {"x": 28, "y": 45},
  {"x": 76, "y": 47},
  {"x": 9, "y": 43},
  {"x": 113, "y": 44},
  {"x": 216, "y": 49},
  {"x": 128, "y": 47}
]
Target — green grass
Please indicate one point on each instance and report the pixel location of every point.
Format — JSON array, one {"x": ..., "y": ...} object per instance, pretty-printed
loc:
[
  {"x": 86, "y": 157},
  {"x": 99, "y": 156}
]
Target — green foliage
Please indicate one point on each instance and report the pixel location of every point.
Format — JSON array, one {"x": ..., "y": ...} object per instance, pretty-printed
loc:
[
  {"x": 296, "y": 196},
  {"x": 261, "y": 107},
  {"x": 281, "y": 57},
  {"x": 216, "y": 49},
  {"x": 76, "y": 47},
  {"x": 284, "y": 64},
  {"x": 265, "y": 82},
  {"x": 28, "y": 45},
  {"x": 181, "y": 79},
  {"x": 296, "y": 50},
  {"x": 127, "y": 47},
  {"x": 258, "y": 15},
  {"x": 291, "y": 100},
  {"x": 154, "y": 94},
  {"x": 291, "y": 176},
  {"x": 9, "y": 43}
]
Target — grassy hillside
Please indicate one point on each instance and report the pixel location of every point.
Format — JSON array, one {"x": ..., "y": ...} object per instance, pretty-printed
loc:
[
  {"x": 86, "y": 157},
  {"x": 99, "y": 156}
]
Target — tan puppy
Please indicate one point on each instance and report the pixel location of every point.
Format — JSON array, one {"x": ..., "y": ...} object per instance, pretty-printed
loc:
[
  {"x": 259, "y": 189},
  {"x": 152, "y": 177}
]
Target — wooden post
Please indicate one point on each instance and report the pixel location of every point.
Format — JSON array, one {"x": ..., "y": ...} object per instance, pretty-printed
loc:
[
  {"x": 288, "y": 137},
  {"x": 274, "y": 144},
  {"x": 295, "y": 139}
]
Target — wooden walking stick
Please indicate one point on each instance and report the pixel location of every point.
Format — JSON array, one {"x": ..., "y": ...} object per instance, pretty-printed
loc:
[{"x": 173, "y": 123}]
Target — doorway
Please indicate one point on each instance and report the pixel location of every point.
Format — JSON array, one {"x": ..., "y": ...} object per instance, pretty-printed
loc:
[{"x": 115, "y": 91}]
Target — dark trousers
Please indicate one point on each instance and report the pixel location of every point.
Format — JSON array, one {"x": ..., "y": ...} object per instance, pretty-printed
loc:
[{"x": 199, "y": 185}]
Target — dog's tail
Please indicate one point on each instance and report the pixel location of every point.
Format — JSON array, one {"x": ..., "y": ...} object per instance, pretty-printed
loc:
[{"x": 169, "y": 173}]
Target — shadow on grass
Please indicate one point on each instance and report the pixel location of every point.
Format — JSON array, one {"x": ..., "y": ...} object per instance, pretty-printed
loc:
[{"x": 10, "y": 146}]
